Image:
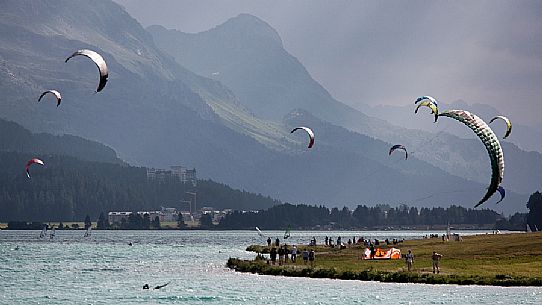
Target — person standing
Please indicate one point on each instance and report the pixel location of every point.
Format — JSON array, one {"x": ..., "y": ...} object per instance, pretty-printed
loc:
[
  {"x": 326, "y": 241},
  {"x": 311, "y": 257},
  {"x": 409, "y": 260},
  {"x": 294, "y": 253},
  {"x": 269, "y": 241},
  {"x": 305, "y": 255},
  {"x": 273, "y": 255},
  {"x": 436, "y": 261},
  {"x": 281, "y": 255}
]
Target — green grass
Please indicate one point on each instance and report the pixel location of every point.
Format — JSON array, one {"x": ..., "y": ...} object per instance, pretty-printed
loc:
[{"x": 504, "y": 259}]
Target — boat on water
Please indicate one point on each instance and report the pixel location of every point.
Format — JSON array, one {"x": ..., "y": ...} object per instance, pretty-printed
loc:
[{"x": 43, "y": 232}]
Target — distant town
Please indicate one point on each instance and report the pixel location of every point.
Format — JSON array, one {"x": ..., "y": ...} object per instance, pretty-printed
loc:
[{"x": 190, "y": 214}]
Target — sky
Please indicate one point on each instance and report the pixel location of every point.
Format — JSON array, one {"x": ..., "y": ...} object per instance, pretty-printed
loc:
[{"x": 390, "y": 52}]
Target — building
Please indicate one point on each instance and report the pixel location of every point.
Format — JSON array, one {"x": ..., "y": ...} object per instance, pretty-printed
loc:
[
  {"x": 184, "y": 174},
  {"x": 160, "y": 175},
  {"x": 165, "y": 215},
  {"x": 117, "y": 217},
  {"x": 177, "y": 172}
]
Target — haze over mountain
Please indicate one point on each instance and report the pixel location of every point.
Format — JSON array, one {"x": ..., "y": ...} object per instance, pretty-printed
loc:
[
  {"x": 155, "y": 112},
  {"x": 384, "y": 52},
  {"x": 254, "y": 64},
  {"x": 526, "y": 137}
]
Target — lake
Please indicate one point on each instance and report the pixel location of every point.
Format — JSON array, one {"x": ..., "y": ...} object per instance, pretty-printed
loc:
[{"x": 104, "y": 269}]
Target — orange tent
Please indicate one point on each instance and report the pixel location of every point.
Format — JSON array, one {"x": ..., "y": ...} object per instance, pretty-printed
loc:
[{"x": 392, "y": 253}]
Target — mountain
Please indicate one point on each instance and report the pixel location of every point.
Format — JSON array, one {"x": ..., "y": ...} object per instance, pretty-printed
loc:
[
  {"x": 156, "y": 112},
  {"x": 246, "y": 54},
  {"x": 253, "y": 63},
  {"x": 364, "y": 170},
  {"x": 525, "y": 137},
  {"x": 15, "y": 138},
  {"x": 82, "y": 177},
  {"x": 152, "y": 111}
]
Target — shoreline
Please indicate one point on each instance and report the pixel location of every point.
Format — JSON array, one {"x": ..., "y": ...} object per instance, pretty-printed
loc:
[{"x": 495, "y": 260}]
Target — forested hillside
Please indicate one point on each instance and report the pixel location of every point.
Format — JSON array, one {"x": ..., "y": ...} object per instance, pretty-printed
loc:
[{"x": 67, "y": 189}]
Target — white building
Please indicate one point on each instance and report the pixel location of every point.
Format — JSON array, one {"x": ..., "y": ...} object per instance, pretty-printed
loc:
[
  {"x": 184, "y": 174},
  {"x": 165, "y": 215},
  {"x": 177, "y": 172},
  {"x": 116, "y": 217}
]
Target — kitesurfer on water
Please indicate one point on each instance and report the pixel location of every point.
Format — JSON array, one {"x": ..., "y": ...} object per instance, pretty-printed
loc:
[{"x": 161, "y": 286}]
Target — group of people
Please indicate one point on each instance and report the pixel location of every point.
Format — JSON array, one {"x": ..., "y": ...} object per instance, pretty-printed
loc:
[
  {"x": 284, "y": 255},
  {"x": 435, "y": 258},
  {"x": 330, "y": 242}
]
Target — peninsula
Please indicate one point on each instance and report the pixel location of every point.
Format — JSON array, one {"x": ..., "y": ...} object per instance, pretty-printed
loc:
[{"x": 489, "y": 259}]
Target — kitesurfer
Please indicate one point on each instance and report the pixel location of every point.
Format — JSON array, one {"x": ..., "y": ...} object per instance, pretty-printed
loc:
[{"x": 161, "y": 286}]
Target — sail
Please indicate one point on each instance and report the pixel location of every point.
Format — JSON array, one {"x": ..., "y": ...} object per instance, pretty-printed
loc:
[
  {"x": 88, "y": 232},
  {"x": 259, "y": 232},
  {"x": 287, "y": 232},
  {"x": 43, "y": 232}
]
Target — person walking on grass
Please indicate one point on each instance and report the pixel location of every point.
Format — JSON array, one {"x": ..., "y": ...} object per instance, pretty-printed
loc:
[
  {"x": 409, "y": 260},
  {"x": 436, "y": 261}
]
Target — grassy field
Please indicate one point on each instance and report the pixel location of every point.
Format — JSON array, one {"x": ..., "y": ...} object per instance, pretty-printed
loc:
[{"x": 502, "y": 259}]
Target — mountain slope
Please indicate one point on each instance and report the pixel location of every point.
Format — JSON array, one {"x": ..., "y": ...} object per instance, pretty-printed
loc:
[
  {"x": 525, "y": 137},
  {"x": 15, "y": 138},
  {"x": 152, "y": 110},
  {"x": 246, "y": 54}
]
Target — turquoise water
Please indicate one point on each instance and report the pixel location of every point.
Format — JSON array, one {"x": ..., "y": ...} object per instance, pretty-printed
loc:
[{"x": 104, "y": 269}]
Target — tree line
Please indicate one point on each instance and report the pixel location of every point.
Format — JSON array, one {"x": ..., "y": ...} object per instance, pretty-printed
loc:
[{"x": 362, "y": 217}]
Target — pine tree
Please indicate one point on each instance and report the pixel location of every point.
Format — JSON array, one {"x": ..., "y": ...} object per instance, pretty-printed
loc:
[
  {"x": 103, "y": 222},
  {"x": 156, "y": 223},
  {"x": 534, "y": 218},
  {"x": 146, "y": 222},
  {"x": 206, "y": 221},
  {"x": 88, "y": 223},
  {"x": 180, "y": 222}
]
